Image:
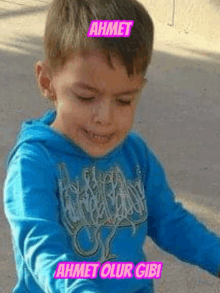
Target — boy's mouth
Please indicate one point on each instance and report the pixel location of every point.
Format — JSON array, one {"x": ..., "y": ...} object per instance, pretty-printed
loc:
[{"x": 98, "y": 138}]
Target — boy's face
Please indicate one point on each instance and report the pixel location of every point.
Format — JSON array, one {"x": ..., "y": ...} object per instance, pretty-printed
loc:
[{"x": 91, "y": 99}]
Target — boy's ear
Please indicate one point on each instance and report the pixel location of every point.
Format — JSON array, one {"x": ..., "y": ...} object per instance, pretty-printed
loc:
[
  {"x": 145, "y": 82},
  {"x": 44, "y": 80}
]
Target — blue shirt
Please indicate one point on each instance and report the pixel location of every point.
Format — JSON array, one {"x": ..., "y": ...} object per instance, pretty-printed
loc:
[{"x": 66, "y": 206}]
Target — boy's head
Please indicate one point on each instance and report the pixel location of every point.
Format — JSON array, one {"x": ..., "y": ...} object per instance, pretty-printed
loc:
[{"x": 110, "y": 65}]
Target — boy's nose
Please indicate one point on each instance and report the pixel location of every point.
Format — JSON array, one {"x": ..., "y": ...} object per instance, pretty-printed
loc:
[{"x": 104, "y": 112}]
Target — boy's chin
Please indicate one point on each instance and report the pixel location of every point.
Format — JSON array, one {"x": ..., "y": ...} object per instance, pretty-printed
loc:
[{"x": 99, "y": 153}]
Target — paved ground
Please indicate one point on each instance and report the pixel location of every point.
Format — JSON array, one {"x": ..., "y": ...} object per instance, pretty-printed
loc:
[{"x": 179, "y": 116}]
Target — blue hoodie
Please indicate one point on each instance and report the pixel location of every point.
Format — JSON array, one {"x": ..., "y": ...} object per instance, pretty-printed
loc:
[{"x": 66, "y": 206}]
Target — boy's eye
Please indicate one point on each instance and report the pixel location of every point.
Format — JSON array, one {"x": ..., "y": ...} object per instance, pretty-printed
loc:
[
  {"x": 92, "y": 98},
  {"x": 124, "y": 102},
  {"x": 85, "y": 99}
]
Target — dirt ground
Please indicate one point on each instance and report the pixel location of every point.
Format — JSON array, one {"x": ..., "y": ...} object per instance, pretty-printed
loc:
[{"x": 178, "y": 115}]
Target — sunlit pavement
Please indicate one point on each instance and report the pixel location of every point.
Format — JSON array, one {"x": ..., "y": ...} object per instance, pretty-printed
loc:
[{"x": 178, "y": 115}]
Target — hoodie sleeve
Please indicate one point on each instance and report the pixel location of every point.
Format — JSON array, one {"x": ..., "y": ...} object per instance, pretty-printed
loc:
[
  {"x": 173, "y": 228},
  {"x": 31, "y": 207}
]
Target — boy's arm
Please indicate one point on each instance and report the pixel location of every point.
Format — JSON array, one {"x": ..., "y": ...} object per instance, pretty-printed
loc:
[
  {"x": 175, "y": 229},
  {"x": 31, "y": 207}
]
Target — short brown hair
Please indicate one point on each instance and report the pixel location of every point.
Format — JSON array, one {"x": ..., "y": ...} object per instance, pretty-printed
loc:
[{"x": 68, "y": 22}]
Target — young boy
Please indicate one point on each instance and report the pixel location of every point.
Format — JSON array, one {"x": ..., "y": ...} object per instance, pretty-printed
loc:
[{"x": 81, "y": 186}]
